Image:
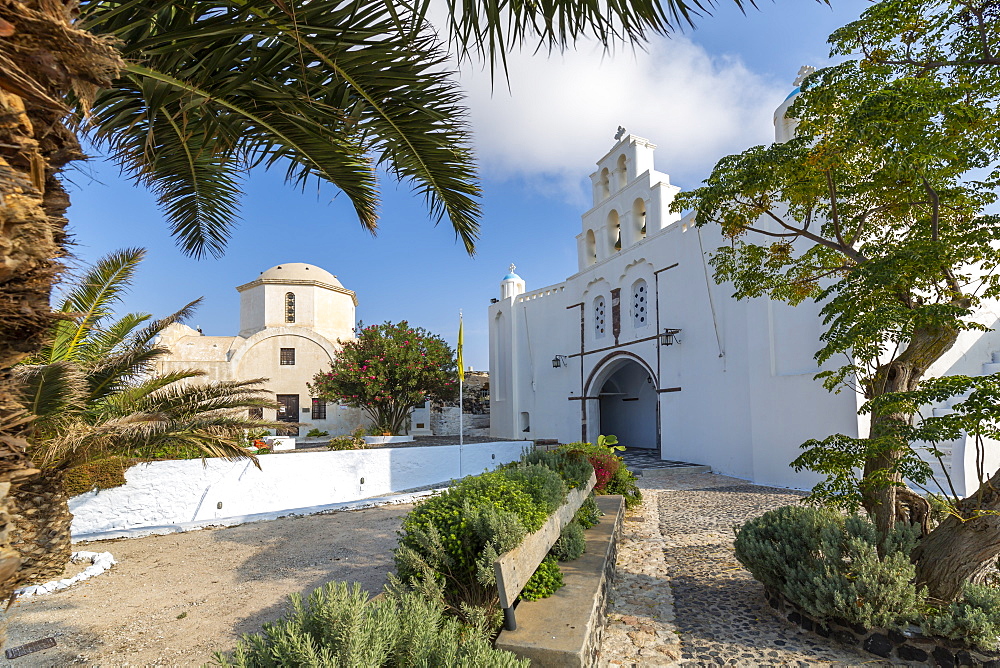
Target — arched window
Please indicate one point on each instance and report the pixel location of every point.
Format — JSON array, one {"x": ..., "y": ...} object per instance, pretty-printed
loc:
[
  {"x": 605, "y": 184},
  {"x": 599, "y": 318},
  {"x": 289, "y": 307},
  {"x": 640, "y": 304},
  {"x": 622, "y": 172},
  {"x": 590, "y": 241}
]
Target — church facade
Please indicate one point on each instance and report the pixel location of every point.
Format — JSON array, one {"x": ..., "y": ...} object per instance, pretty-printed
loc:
[
  {"x": 640, "y": 342},
  {"x": 291, "y": 319}
]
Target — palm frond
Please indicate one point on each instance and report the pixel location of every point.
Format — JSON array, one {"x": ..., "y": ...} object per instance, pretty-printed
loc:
[
  {"x": 89, "y": 300},
  {"x": 324, "y": 89},
  {"x": 49, "y": 389}
]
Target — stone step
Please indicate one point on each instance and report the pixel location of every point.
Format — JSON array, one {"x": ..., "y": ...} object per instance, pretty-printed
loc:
[{"x": 668, "y": 471}]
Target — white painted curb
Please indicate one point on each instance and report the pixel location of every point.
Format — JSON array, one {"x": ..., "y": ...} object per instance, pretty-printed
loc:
[{"x": 99, "y": 562}]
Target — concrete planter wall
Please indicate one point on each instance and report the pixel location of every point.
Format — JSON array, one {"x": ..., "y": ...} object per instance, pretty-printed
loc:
[
  {"x": 386, "y": 440},
  {"x": 162, "y": 495}
]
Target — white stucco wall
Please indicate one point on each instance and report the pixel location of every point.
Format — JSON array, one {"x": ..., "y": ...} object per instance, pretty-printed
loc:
[
  {"x": 162, "y": 494},
  {"x": 738, "y": 393}
]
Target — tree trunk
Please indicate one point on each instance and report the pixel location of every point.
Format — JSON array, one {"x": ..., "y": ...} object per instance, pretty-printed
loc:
[
  {"x": 883, "y": 497},
  {"x": 961, "y": 550},
  {"x": 41, "y": 532},
  {"x": 42, "y": 58}
]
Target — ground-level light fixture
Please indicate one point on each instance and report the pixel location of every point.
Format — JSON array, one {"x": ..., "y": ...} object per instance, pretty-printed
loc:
[
  {"x": 559, "y": 360},
  {"x": 669, "y": 337}
]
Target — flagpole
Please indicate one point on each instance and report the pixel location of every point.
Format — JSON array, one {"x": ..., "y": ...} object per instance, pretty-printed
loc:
[{"x": 461, "y": 378}]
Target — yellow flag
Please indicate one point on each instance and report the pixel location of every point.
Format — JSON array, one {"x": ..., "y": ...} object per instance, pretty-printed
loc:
[{"x": 461, "y": 363}]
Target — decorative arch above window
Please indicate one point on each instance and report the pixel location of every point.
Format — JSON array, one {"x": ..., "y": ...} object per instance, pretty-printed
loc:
[
  {"x": 599, "y": 318},
  {"x": 640, "y": 304},
  {"x": 289, "y": 307}
]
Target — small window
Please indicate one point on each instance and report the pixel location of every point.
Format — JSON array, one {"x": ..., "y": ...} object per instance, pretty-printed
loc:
[
  {"x": 255, "y": 413},
  {"x": 319, "y": 409},
  {"x": 640, "y": 302},
  {"x": 599, "y": 318},
  {"x": 288, "y": 357},
  {"x": 289, "y": 309}
]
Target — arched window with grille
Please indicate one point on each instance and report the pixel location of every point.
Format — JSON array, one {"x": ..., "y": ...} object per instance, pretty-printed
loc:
[
  {"x": 599, "y": 318},
  {"x": 289, "y": 307},
  {"x": 640, "y": 304}
]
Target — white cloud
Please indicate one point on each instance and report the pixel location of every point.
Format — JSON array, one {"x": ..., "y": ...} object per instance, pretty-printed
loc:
[{"x": 562, "y": 112}]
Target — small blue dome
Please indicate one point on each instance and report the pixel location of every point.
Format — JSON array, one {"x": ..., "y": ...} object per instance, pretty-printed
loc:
[
  {"x": 512, "y": 276},
  {"x": 795, "y": 92}
]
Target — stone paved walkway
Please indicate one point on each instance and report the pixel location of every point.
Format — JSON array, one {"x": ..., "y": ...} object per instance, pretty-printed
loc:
[{"x": 681, "y": 598}]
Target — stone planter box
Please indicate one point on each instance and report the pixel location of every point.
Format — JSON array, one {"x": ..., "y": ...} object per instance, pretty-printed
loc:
[
  {"x": 911, "y": 646},
  {"x": 383, "y": 440}
]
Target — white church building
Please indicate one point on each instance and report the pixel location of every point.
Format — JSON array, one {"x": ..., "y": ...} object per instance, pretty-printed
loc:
[
  {"x": 291, "y": 317},
  {"x": 640, "y": 342}
]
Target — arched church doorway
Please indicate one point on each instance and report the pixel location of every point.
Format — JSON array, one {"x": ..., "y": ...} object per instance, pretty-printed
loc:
[{"x": 626, "y": 392}]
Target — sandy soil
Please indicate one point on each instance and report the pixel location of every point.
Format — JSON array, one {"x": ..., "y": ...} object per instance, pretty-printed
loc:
[{"x": 176, "y": 599}]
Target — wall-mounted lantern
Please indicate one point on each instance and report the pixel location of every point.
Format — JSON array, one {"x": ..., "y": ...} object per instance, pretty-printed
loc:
[
  {"x": 559, "y": 360},
  {"x": 669, "y": 337}
]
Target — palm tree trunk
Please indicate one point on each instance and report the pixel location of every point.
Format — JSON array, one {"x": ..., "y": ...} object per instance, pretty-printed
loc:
[
  {"x": 42, "y": 59},
  {"x": 41, "y": 532}
]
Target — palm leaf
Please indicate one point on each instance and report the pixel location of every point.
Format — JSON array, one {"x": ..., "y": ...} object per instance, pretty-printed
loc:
[
  {"x": 245, "y": 84},
  {"x": 50, "y": 389},
  {"x": 89, "y": 300}
]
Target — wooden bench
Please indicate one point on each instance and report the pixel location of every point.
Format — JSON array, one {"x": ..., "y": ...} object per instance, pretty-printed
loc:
[{"x": 514, "y": 568}]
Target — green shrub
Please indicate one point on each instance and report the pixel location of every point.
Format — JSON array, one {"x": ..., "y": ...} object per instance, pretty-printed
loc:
[
  {"x": 103, "y": 473},
  {"x": 612, "y": 475},
  {"x": 545, "y": 581},
  {"x": 974, "y": 618},
  {"x": 316, "y": 432},
  {"x": 571, "y": 543},
  {"x": 342, "y": 626},
  {"x": 624, "y": 482},
  {"x": 544, "y": 484},
  {"x": 453, "y": 539},
  {"x": 828, "y": 564},
  {"x": 575, "y": 470},
  {"x": 589, "y": 515}
]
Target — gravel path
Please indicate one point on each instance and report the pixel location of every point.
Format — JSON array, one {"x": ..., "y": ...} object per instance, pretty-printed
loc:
[
  {"x": 173, "y": 600},
  {"x": 680, "y": 596}
]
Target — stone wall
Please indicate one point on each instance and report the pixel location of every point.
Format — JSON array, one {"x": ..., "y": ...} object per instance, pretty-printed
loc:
[
  {"x": 910, "y": 646},
  {"x": 444, "y": 421}
]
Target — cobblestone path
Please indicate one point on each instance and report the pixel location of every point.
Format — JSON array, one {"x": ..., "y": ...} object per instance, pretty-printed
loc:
[{"x": 680, "y": 596}]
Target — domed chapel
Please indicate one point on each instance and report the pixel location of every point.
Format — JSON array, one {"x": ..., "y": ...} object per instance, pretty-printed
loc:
[{"x": 291, "y": 317}]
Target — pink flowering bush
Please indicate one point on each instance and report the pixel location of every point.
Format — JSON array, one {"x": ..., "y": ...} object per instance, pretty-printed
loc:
[{"x": 387, "y": 370}]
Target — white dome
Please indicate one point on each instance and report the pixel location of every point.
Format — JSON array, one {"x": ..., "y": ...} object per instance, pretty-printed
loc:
[{"x": 299, "y": 271}]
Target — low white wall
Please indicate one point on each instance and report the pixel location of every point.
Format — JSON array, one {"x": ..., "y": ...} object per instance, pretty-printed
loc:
[{"x": 162, "y": 494}]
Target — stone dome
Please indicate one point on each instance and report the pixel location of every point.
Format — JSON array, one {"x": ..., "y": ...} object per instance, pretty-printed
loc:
[{"x": 299, "y": 271}]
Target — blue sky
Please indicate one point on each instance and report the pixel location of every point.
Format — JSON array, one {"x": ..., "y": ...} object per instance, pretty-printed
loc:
[{"x": 698, "y": 95}]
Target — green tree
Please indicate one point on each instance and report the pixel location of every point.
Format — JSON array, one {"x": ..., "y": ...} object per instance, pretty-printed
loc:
[
  {"x": 94, "y": 393},
  {"x": 880, "y": 210},
  {"x": 387, "y": 370}
]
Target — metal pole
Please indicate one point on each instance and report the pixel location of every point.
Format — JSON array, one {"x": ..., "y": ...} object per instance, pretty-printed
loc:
[{"x": 509, "y": 623}]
